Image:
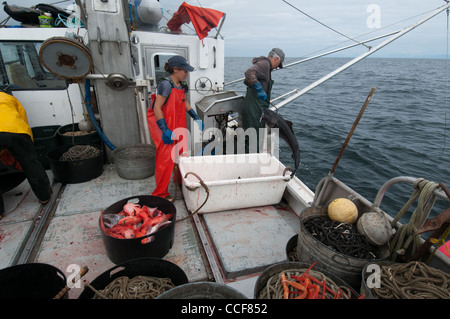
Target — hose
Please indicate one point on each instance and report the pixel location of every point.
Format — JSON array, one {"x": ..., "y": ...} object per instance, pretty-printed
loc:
[{"x": 92, "y": 116}]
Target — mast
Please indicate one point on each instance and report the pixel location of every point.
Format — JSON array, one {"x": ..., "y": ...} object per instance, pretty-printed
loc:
[{"x": 359, "y": 58}]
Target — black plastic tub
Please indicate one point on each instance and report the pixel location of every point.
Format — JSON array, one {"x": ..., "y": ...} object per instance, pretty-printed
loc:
[
  {"x": 31, "y": 281},
  {"x": 88, "y": 138},
  {"x": 9, "y": 179},
  {"x": 291, "y": 249},
  {"x": 121, "y": 250},
  {"x": 73, "y": 172},
  {"x": 277, "y": 268},
  {"x": 45, "y": 139},
  {"x": 153, "y": 267},
  {"x": 202, "y": 290}
]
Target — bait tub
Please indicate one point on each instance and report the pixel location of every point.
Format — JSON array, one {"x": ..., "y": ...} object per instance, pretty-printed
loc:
[
  {"x": 77, "y": 171},
  {"x": 31, "y": 281},
  {"x": 122, "y": 250},
  {"x": 145, "y": 266},
  {"x": 273, "y": 271},
  {"x": 234, "y": 181}
]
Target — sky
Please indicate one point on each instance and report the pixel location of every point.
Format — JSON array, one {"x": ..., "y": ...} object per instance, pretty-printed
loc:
[{"x": 253, "y": 27}]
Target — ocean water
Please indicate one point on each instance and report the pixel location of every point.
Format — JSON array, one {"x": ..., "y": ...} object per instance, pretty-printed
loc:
[{"x": 404, "y": 131}]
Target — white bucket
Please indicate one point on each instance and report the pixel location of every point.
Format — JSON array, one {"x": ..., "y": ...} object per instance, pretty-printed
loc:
[{"x": 234, "y": 181}]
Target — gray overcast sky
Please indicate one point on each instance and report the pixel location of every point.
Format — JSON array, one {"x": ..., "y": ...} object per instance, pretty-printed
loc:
[{"x": 253, "y": 27}]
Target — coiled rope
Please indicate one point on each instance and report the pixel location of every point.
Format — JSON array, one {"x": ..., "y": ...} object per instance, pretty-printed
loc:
[
  {"x": 139, "y": 287},
  {"x": 413, "y": 280},
  {"x": 405, "y": 238},
  {"x": 79, "y": 153}
]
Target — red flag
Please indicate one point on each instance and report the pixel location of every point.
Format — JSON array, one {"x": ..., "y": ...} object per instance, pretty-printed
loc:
[{"x": 203, "y": 19}]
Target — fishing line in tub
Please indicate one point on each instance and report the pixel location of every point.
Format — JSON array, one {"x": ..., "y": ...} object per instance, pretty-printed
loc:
[{"x": 139, "y": 287}]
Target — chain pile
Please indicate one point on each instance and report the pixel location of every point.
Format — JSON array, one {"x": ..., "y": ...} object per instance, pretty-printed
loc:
[
  {"x": 139, "y": 287},
  {"x": 341, "y": 237},
  {"x": 413, "y": 280}
]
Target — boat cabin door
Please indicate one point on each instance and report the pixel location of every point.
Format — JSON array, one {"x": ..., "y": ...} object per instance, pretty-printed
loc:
[{"x": 156, "y": 57}]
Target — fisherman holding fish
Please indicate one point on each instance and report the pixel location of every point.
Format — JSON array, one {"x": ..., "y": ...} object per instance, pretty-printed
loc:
[
  {"x": 258, "y": 79},
  {"x": 167, "y": 114},
  {"x": 16, "y": 140}
]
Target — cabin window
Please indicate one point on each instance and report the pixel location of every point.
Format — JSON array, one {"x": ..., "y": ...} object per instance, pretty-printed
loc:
[{"x": 20, "y": 68}]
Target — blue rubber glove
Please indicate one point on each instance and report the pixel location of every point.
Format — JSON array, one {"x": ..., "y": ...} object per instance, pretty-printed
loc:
[
  {"x": 260, "y": 91},
  {"x": 194, "y": 115},
  {"x": 167, "y": 135}
]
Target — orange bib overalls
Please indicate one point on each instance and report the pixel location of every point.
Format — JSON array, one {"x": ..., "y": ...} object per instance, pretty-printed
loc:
[{"x": 174, "y": 111}]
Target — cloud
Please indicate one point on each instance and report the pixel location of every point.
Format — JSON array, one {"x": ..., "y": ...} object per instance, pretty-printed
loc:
[{"x": 253, "y": 26}]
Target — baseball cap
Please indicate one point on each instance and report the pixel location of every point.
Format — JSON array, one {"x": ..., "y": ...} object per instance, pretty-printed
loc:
[
  {"x": 178, "y": 61},
  {"x": 280, "y": 54}
]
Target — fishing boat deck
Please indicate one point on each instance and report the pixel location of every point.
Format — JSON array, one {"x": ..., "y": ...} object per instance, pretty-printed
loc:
[{"x": 230, "y": 247}]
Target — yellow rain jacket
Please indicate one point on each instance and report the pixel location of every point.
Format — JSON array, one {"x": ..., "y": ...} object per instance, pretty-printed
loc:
[{"x": 13, "y": 118}]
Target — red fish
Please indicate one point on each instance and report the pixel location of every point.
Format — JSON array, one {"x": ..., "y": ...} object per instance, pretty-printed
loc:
[
  {"x": 130, "y": 208},
  {"x": 124, "y": 231},
  {"x": 152, "y": 222},
  {"x": 152, "y": 230},
  {"x": 137, "y": 222},
  {"x": 130, "y": 220}
]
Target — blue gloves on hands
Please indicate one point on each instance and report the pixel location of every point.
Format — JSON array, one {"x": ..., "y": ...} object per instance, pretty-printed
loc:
[
  {"x": 194, "y": 115},
  {"x": 260, "y": 91},
  {"x": 167, "y": 135}
]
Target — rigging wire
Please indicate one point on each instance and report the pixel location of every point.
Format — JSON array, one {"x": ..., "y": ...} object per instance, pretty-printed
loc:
[
  {"x": 446, "y": 87},
  {"x": 323, "y": 24},
  {"x": 3, "y": 23},
  {"x": 171, "y": 15},
  {"x": 367, "y": 33}
]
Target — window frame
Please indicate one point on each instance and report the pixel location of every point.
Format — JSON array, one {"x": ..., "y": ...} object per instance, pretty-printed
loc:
[{"x": 26, "y": 53}]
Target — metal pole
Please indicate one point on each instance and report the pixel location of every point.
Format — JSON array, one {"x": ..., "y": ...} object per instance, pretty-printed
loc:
[
  {"x": 324, "y": 184},
  {"x": 403, "y": 179},
  {"x": 352, "y": 130},
  {"x": 362, "y": 56},
  {"x": 284, "y": 95}
]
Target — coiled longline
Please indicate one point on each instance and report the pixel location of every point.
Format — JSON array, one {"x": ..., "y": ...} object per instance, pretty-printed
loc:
[
  {"x": 79, "y": 153},
  {"x": 413, "y": 280},
  {"x": 139, "y": 287}
]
